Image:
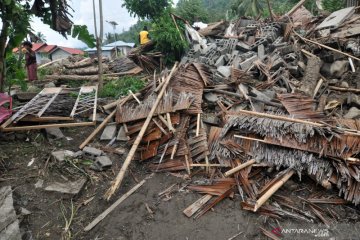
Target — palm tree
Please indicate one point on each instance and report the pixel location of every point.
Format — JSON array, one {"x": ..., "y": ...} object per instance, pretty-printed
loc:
[
  {"x": 40, "y": 37},
  {"x": 248, "y": 8}
]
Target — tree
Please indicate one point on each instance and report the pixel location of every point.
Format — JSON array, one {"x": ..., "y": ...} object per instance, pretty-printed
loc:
[
  {"x": 248, "y": 8},
  {"x": 149, "y": 9},
  {"x": 40, "y": 37},
  {"x": 15, "y": 17},
  {"x": 192, "y": 10},
  {"x": 333, "y": 5},
  {"x": 99, "y": 39}
]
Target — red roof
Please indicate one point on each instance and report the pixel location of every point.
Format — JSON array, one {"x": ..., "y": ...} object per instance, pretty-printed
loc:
[
  {"x": 72, "y": 51},
  {"x": 48, "y": 48},
  {"x": 36, "y": 47}
]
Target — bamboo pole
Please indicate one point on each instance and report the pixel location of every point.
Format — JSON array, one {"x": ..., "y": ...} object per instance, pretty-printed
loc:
[
  {"x": 134, "y": 147},
  {"x": 258, "y": 114},
  {"x": 355, "y": 90},
  {"x": 273, "y": 189},
  {"x": 240, "y": 167},
  {"x": 113, "y": 206},
  {"x": 37, "y": 127},
  {"x": 97, "y": 130}
]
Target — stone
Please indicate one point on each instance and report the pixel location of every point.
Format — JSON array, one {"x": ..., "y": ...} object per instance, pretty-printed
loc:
[
  {"x": 55, "y": 132},
  {"x": 353, "y": 99},
  {"x": 72, "y": 188},
  {"x": 122, "y": 134},
  {"x": 78, "y": 154},
  {"x": 39, "y": 183},
  {"x": 92, "y": 152},
  {"x": 353, "y": 113},
  {"x": 211, "y": 97},
  {"x": 344, "y": 84},
  {"x": 101, "y": 163},
  {"x": 9, "y": 223},
  {"x": 62, "y": 154},
  {"x": 108, "y": 133},
  {"x": 225, "y": 71},
  {"x": 24, "y": 211},
  {"x": 335, "y": 69},
  {"x": 50, "y": 85}
]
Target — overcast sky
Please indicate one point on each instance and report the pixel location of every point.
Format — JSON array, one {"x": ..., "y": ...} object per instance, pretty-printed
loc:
[{"x": 83, "y": 15}]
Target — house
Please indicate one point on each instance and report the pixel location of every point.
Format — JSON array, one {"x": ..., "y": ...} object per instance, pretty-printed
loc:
[
  {"x": 45, "y": 53},
  {"x": 109, "y": 50},
  {"x": 122, "y": 47},
  {"x": 36, "y": 47},
  {"x": 63, "y": 52}
]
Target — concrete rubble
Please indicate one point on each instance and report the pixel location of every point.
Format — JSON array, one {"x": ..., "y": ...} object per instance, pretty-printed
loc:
[{"x": 9, "y": 223}]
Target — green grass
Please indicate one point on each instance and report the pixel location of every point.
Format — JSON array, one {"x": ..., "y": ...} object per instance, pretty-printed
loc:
[{"x": 121, "y": 87}]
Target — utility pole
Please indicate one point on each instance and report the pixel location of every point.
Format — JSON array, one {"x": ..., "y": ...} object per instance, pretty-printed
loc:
[{"x": 114, "y": 24}]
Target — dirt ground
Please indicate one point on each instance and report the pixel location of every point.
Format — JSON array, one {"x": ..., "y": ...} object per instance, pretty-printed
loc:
[{"x": 51, "y": 211}]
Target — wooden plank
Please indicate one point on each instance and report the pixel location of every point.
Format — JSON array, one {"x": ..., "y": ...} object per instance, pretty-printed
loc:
[
  {"x": 37, "y": 127},
  {"x": 193, "y": 208},
  {"x": 30, "y": 118}
]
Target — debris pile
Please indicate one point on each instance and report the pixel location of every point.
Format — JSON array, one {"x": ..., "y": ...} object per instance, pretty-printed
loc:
[
  {"x": 87, "y": 69},
  {"x": 253, "y": 96}
]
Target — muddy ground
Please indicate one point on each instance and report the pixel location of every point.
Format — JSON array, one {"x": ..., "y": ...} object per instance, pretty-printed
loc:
[{"x": 132, "y": 220}]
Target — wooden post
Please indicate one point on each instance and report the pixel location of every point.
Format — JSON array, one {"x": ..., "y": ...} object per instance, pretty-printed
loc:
[
  {"x": 272, "y": 190},
  {"x": 134, "y": 147}
]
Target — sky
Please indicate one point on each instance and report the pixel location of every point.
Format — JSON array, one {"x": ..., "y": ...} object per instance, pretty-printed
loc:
[{"x": 83, "y": 15}]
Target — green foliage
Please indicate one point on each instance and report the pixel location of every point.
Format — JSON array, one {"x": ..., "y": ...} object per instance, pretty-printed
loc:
[
  {"x": 18, "y": 19},
  {"x": 248, "y": 8},
  {"x": 192, "y": 10},
  {"x": 121, "y": 87},
  {"x": 333, "y": 5},
  {"x": 217, "y": 9},
  {"x": 167, "y": 37},
  {"x": 81, "y": 32},
  {"x": 15, "y": 74},
  {"x": 42, "y": 72},
  {"x": 149, "y": 9},
  {"x": 130, "y": 36}
]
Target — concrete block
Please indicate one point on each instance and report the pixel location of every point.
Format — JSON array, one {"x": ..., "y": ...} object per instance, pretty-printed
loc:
[
  {"x": 62, "y": 154},
  {"x": 261, "y": 52},
  {"x": 92, "y": 152},
  {"x": 108, "y": 133},
  {"x": 72, "y": 188},
  {"x": 55, "y": 132},
  {"x": 122, "y": 134},
  {"x": 101, "y": 163},
  {"x": 220, "y": 61},
  {"x": 245, "y": 65},
  {"x": 225, "y": 71},
  {"x": 353, "y": 113}
]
